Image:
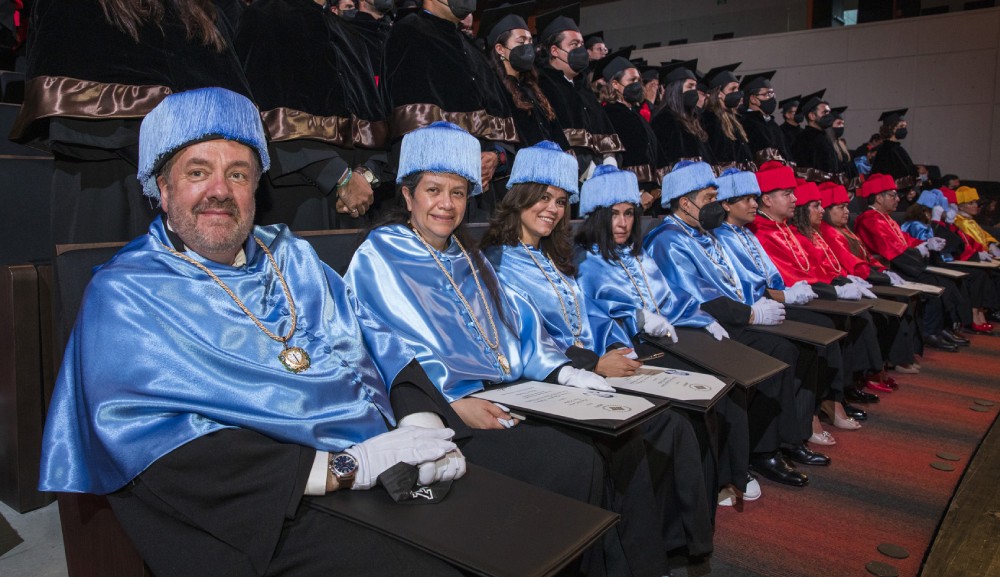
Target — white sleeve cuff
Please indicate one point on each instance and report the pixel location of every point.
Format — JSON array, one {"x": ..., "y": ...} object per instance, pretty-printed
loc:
[{"x": 316, "y": 484}]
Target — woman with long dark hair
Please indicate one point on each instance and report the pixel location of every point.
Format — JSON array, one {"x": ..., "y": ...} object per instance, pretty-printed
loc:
[
  {"x": 676, "y": 124},
  {"x": 726, "y": 136}
]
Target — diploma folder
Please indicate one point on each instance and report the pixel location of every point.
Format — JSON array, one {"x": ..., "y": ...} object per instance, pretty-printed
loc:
[
  {"x": 727, "y": 357},
  {"x": 489, "y": 524},
  {"x": 838, "y": 307},
  {"x": 947, "y": 272},
  {"x": 613, "y": 427},
  {"x": 803, "y": 332}
]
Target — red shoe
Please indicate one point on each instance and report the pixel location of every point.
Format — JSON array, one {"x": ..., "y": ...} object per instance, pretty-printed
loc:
[
  {"x": 984, "y": 328},
  {"x": 878, "y": 386}
]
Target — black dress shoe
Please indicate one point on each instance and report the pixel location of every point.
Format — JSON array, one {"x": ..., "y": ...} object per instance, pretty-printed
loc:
[
  {"x": 954, "y": 339},
  {"x": 855, "y": 413},
  {"x": 773, "y": 466},
  {"x": 938, "y": 342},
  {"x": 856, "y": 395},
  {"x": 805, "y": 456}
]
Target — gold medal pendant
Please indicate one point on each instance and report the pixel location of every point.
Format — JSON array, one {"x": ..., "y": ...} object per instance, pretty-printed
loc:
[
  {"x": 504, "y": 363},
  {"x": 579, "y": 343},
  {"x": 295, "y": 359}
]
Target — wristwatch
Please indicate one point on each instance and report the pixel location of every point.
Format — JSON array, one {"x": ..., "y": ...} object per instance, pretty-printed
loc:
[
  {"x": 368, "y": 175},
  {"x": 343, "y": 466}
]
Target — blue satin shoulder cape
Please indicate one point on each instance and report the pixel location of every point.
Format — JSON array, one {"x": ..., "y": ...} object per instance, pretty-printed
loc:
[
  {"x": 519, "y": 273},
  {"x": 756, "y": 270},
  {"x": 917, "y": 230},
  {"x": 160, "y": 355},
  {"x": 395, "y": 276},
  {"x": 612, "y": 300},
  {"x": 682, "y": 253}
]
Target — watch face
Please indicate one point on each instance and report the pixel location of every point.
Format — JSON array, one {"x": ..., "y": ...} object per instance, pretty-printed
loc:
[{"x": 344, "y": 464}]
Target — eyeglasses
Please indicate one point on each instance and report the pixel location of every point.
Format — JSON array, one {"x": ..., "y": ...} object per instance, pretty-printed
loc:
[{"x": 766, "y": 95}]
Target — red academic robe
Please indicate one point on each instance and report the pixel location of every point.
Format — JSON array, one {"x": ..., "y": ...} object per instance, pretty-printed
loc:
[
  {"x": 824, "y": 262},
  {"x": 860, "y": 265},
  {"x": 882, "y": 235},
  {"x": 789, "y": 256}
]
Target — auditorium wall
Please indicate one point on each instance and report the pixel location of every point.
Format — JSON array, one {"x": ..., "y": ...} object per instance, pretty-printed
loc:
[{"x": 944, "y": 68}]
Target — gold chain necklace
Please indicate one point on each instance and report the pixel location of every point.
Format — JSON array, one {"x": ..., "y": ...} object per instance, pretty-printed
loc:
[
  {"x": 294, "y": 359},
  {"x": 636, "y": 285},
  {"x": 494, "y": 346},
  {"x": 793, "y": 246},
  {"x": 576, "y": 301},
  {"x": 893, "y": 226},
  {"x": 722, "y": 265},
  {"x": 828, "y": 252}
]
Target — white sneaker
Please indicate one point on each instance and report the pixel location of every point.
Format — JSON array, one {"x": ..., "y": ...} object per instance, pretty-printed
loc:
[{"x": 753, "y": 489}]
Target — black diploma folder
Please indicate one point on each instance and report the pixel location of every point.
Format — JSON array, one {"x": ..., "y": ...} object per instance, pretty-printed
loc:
[{"x": 727, "y": 358}]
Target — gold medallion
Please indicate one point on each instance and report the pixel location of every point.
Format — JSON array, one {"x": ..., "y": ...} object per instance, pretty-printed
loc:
[
  {"x": 295, "y": 359},
  {"x": 579, "y": 343},
  {"x": 504, "y": 363}
]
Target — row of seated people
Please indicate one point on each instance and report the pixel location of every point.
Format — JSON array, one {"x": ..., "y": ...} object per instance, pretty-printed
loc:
[{"x": 255, "y": 371}]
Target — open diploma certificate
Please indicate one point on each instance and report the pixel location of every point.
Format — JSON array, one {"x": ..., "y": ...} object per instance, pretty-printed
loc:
[
  {"x": 567, "y": 402},
  {"x": 670, "y": 384}
]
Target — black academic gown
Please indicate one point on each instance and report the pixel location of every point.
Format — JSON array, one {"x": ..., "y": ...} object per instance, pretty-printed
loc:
[
  {"x": 675, "y": 142},
  {"x": 641, "y": 149},
  {"x": 763, "y": 136},
  {"x": 585, "y": 124},
  {"x": 434, "y": 72},
  {"x": 724, "y": 150},
  {"x": 892, "y": 159},
  {"x": 312, "y": 80},
  {"x": 374, "y": 33},
  {"x": 790, "y": 132},
  {"x": 89, "y": 85},
  {"x": 532, "y": 125},
  {"x": 813, "y": 149}
]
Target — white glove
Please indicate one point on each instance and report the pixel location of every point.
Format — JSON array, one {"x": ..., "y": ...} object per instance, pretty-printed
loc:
[
  {"x": 767, "y": 312},
  {"x": 656, "y": 325},
  {"x": 949, "y": 215},
  {"x": 799, "y": 293},
  {"x": 935, "y": 243},
  {"x": 581, "y": 379},
  {"x": 985, "y": 256},
  {"x": 995, "y": 250},
  {"x": 717, "y": 331},
  {"x": 850, "y": 292},
  {"x": 894, "y": 279},
  {"x": 936, "y": 213},
  {"x": 923, "y": 250},
  {"x": 859, "y": 281},
  {"x": 410, "y": 445},
  {"x": 610, "y": 160},
  {"x": 866, "y": 292},
  {"x": 451, "y": 466}
]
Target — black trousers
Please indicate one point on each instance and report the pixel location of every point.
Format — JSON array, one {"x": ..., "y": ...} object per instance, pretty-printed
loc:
[{"x": 771, "y": 409}]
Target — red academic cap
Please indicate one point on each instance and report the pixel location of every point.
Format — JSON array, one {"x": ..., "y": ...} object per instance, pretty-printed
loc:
[
  {"x": 773, "y": 175},
  {"x": 949, "y": 194},
  {"x": 832, "y": 193},
  {"x": 806, "y": 193},
  {"x": 876, "y": 184}
]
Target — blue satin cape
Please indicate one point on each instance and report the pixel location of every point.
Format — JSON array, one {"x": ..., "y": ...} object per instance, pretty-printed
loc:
[
  {"x": 756, "y": 270},
  {"x": 612, "y": 300},
  {"x": 520, "y": 274},
  {"x": 684, "y": 261},
  {"x": 160, "y": 355},
  {"x": 395, "y": 276}
]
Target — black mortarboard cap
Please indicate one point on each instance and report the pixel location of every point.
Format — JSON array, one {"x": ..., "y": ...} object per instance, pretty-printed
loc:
[
  {"x": 721, "y": 75},
  {"x": 504, "y": 18},
  {"x": 593, "y": 38},
  {"x": 649, "y": 73},
  {"x": 756, "y": 81},
  {"x": 892, "y": 116},
  {"x": 678, "y": 70},
  {"x": 702, "y": 85},
  {"x": 616, "y": 65},
  {"x": 787, "y": 103},
  {"x": 838, "y": 112},
  {"x": 811, "y": 101},
  {"x": 603, "y": 64},
  {"x": 558, "y": 20}
]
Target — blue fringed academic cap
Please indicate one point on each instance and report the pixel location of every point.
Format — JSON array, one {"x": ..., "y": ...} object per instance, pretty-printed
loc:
[
  {"x": 608, "y": 186},
  {"x": 734, "y": 183},
  {"x": 687, "y": 176},
  {"x": 932, "y": 198},
  {"x": 195, "y": 116},
  {"x": 545, "y": 163},
  {"x": 442, "y": 147}
]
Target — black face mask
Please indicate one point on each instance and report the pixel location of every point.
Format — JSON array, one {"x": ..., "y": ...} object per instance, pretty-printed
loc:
[
  {"x": 799, "y": 118},
  {"x": 383, "y": 6},
  {"x": 712, "y": 215},
  {"x": 768, "y": 106},
  {"x": 690, "y": 99},
  {"x": 825, "y": 121},
  {"x": 461, "y": 8},
  {"x": 633, "y": 93},
  {"x": 732, "y": 100},
  {"x": 349, "y": 14},
  {"x": 838, "y": 132},
  {"x": 522, "y": 58},
  {"x": 900, "y": 133},
  {"x": 577, "y": 59}
]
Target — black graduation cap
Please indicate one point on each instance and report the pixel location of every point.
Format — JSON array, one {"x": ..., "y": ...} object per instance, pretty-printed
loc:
[
  {"x": 838, "y": 112},
  {"x": 702, "y": 85},
  {"x": 892, "y": 116},
  {"x": 756, "y": 81},
  {"x": 678, "y": 70},
  {"x": 612, "y": 67},
  {"x": 649, "y": 74},
  {"x": 811, "y": 101},
  {"x": 504, "y": 18},
  {"x": 787, "y": 103},
  {"x": 558, "y": 20},
  {"x": 721, "y": 75},
  {"x": 589, "y": 40},
  {"x": 603, "y": 63}
]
